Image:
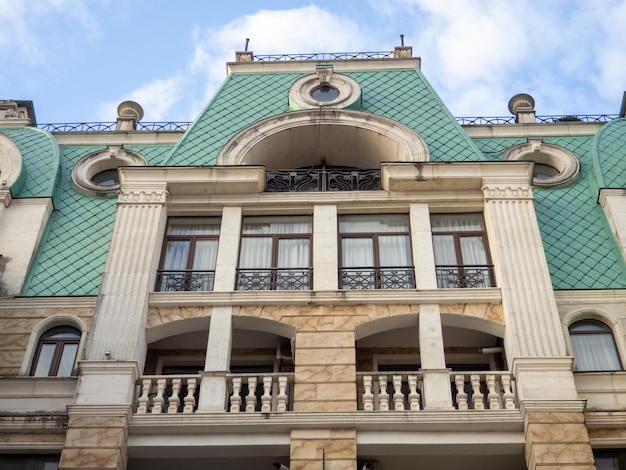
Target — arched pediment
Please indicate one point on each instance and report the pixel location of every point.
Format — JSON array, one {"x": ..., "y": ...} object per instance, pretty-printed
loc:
[{"x": 302, "y": 139}]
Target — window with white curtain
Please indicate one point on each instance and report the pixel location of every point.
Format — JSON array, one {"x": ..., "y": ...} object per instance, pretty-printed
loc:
[
  {"x": 275, "y": 253},
  {"x": 461, "y": 256},
  {"x": 375, "y": 252},
  {"x": 594, "y": 346},
  {"x": 56, "y": 351},
  {"x": 189, "y": 254}
]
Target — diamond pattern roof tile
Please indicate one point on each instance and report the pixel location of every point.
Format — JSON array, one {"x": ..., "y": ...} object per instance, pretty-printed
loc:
[
  {"x": 580, "y": 248},
  {"x": 609, "y": 152}
]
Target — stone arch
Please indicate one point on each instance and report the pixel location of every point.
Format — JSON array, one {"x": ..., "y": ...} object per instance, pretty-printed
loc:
[
  {"x": 324, "y": 137},
  {"x": 10, "y": 161}
]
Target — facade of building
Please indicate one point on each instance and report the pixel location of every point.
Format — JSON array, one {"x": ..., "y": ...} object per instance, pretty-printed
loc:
[{"x": 325, "y": 270}]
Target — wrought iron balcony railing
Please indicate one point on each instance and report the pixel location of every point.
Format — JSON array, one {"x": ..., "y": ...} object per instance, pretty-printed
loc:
[
  {"x": 323, "y": 56},
  {"x": 184, "y": 280},
  {"x": 377, "y": 278},
  {"x": 274, "y": 279},
  {"x": 322, "y": 180},
  {"x": 465, "y": 276}
]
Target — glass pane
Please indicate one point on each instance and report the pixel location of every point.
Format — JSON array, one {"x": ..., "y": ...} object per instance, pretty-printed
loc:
[
  {"x": 607, "y": 463},
  {"x": 66, "y": 363},
  {"x": 45, "y": 360},
  {"x": 456, "y": 222},
  {"x": 194, "y": 226},
  {"x": 595, "y": 352},
  {"x": 293, "y": 253},
  {"x": 61, "y": 332},
  {"x": 394, "y": 251},
  {"x": 444, "y": 250},
  {"x": 473, "y": 250},
  {"x": 589, "y": 325},
  {"x": 276, "y": 225},
  {"x": 256, "y": 253},
  {"x": 205, "y": 255},
  {"x": 357, "y": 252},
  {"x": 375, "y": 223},
  {"x": 176, "y": 255}
]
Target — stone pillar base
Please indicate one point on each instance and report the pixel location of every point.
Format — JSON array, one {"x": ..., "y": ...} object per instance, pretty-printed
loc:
[{"x": 556, "y": 436}]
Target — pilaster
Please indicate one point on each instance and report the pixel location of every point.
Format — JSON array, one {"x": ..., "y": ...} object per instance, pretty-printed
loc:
[
  {"x": 332, "y": 449},
  {"x": 325, "y": 261},
  {"x": 533, "y": 327},
  {"x": 228, "y": 250},
  {"x": 422, "y": 246},
  {"x": 217, "y": 364},
  {"x": 119, "y": 322},
  {"x": 613, "y": 202},
  {"x": 436, "y": 391}
]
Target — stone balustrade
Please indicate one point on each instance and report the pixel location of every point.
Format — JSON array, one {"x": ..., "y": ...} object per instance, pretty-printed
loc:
[
  {"x": 248, "y": 393},
  {"x": 259, "y": 393},
  {"x": 482, "y": 391},
  {"x": 402, "y": 391},
  {"x": 391, "y": 391}
]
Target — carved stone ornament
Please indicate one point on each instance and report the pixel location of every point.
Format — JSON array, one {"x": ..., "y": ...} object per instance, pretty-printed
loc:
[
  {"x": 507, "y": 192},
  {"x": 143, "y": 197}
]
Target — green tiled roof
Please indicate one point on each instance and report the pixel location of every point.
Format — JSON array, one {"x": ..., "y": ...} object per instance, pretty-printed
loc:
[
  {"x": 71, "y": 256},
  {"x": 402, "y": 95},
  {"x": 609, "y": 153},
  {"x": 580, "y": 249},
  {"x": 40, "y": 161}
]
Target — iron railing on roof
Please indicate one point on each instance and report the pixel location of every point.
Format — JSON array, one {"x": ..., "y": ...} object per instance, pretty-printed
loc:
[
  {"x": 494, "y": 120},
  {"x": 184, "y": 125},
  {"x": 110, "y": 126},
  {"x": 324, "y": 56}
]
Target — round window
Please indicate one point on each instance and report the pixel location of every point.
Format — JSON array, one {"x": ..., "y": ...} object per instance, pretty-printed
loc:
[
  {"x": 96, "y": 173},
  {"x": 325, "y": 93},
  {"x": 554, "y": 165},
  {"x": 106, "y": 178}
]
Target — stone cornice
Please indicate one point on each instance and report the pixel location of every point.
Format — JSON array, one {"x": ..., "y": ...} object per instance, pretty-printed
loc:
[
  {"x": 608, "y": 192},
  {"x": 48, "y": 302},
  {"x": 309, "y": 65},
  {"x": 533, "y": 130},
  {"x": 592, "y": 296},
  {"x": 142, "y": 197},
  {"x": 412, "y": 421},
  {"x": 435, "y": 296},
  {"x": 118, "y": 138},
  {"x": 552, "y": 406}
]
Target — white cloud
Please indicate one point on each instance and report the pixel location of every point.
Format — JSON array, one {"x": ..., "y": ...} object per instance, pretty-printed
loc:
[
  {"x": 30, "y": 29},
  {"x": 157, "y": 99},
  {"x": 273, "y": 32}
]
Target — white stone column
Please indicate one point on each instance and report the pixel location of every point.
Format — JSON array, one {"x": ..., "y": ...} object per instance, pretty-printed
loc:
[
  {"x": 436, "y": 393},
  {"x": 325, "y": 249},
  {"x": 213, "y": 388},
  {"x": 532, "y": 320},
  {"x": 613, "y": 202},
  {"x": 422, "y": 245},
  {"x": 120, "y": 317},
  {"x": 228, "y": 250},
  {"x": 534, "y": 342}
]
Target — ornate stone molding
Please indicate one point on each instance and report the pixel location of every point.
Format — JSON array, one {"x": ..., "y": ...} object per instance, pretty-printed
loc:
[
  {"x": 507, "y": 192},
  {"x": 143, "y": 196}
]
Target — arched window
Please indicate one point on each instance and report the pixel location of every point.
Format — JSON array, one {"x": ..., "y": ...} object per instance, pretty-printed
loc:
[
  {"x": 56, "y": 352},
  {"x": 594, "y": 346}
]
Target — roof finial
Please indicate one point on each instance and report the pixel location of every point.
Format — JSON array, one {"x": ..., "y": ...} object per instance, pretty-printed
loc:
[
  {"x": 247, "y": 41},
  {"x": 402, "y": 40}
]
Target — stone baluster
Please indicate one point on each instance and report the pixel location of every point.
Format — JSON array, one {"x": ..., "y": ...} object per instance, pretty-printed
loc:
[
  {"x": 266, "y": 398},
  {"x": 508, "y": 398},
  {"x": 368, "y": 396},
  {"x": 175, "y": 398},
  {"x": 159, "y": 400},
  {"x": 461, "y": 396},
  {"x": 190, "y": 399},
  {"x": 251, "y": 397},
  {"x": 143, "y": 403},
  {"x": 281, "y": 400},
  {"x": 235, "y": 398},
  {"x": 477, "y": 396},
  {"x": 383, "y": 396},
  {"x": 398, "y": 397},
  {"x": 414, "y": 396},
  {"x": 492, "y": 396}
]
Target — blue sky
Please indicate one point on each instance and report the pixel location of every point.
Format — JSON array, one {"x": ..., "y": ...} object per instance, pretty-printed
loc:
[{"x": 78, "y": 59}]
